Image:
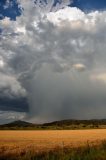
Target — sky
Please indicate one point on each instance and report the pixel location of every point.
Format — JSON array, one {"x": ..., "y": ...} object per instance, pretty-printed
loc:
[{"x": 52, "y": 60}]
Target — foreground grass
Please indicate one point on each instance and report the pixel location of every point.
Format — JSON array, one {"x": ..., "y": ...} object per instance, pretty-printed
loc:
[{"x": 87, "y": 152}]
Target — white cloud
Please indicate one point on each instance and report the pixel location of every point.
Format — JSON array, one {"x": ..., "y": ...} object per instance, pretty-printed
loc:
[
  {"x": 66, "y": 14},
  {"x": 10, "y": 87},
  {"x": 51, "y": 5},
  {"x": 99, "y": 77},
  {"x": 1, "y": 62},
  {"x": 79, "y": 67}
]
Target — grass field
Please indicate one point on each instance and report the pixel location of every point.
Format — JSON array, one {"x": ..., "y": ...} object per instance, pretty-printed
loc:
[{"x": 21, "y": 142}]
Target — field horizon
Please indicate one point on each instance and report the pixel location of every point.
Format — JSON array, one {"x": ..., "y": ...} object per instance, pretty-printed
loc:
[{"x": 66, "y": 124}]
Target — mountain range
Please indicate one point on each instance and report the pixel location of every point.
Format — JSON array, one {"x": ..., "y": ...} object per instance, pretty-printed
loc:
[{"x": 62, "y": 124}]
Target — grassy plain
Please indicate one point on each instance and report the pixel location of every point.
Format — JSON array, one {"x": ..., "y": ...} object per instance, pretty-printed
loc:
[{"x": 15, "y": 144}]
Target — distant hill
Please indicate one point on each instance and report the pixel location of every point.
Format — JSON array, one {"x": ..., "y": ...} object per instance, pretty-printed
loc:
[
  {"x": 77, "y": 122},
  {"x": 18, "y": 123},
  {"x": 63, "y": 124}
]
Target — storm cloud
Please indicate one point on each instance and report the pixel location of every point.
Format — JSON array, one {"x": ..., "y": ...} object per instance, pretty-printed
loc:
[{"x": 55, "y": 62}]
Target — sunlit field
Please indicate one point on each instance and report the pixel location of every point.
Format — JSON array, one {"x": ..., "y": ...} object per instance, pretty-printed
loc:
[{"x": 19, "y": 142}]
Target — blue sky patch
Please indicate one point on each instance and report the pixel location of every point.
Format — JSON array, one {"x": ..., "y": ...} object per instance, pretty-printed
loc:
[
  {"x": 89, "y": 5},
  {"x": 9, "y": 9}
]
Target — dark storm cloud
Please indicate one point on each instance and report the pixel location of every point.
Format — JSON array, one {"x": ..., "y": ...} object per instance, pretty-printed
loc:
[
  {"x": 18, "y": 105},
  {"x": 12, "y": 95}
]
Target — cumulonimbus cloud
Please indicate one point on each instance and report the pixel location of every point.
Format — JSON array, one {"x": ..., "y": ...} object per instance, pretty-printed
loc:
[{"x": 44, "y": 52}]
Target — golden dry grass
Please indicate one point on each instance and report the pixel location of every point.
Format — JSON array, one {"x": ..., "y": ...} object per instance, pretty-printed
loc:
[{"x": 17, "y": 141}]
